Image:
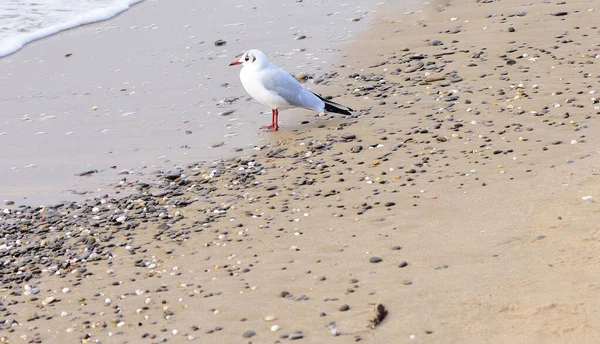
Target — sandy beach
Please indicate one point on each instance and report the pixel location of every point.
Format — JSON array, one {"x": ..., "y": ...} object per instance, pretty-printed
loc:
[{"x": 461, "y": 197}]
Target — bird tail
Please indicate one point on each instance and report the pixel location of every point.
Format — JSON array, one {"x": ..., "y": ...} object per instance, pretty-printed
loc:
[{"x": 334, "y": 107}]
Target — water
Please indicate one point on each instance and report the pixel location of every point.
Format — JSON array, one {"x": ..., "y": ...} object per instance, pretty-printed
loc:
[
  {"x": 145, "y": 90},
  {"x": 23, "y": 21}
]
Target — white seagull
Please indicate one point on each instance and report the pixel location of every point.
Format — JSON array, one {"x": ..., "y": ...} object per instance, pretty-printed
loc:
[{"x": 274, "y": 87}]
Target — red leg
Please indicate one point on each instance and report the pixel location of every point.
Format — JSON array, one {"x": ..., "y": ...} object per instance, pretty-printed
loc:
[{"x": 274, "y": 121}]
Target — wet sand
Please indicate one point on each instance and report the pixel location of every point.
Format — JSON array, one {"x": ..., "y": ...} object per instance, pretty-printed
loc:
[
  {"x": 462, "y": 197},
  {"x": 145, "y": 91}
]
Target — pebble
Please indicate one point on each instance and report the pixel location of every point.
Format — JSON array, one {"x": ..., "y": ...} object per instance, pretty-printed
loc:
[
  {"x": 348, "y": 136},
  {"x": 249, "y": 334},
  {"x": 375, "y": 260},
  {"x": 49, "y": 300},
  {"x": 220, "y": 42},
  {"x": 356, "y": 149},
  {"x": 344, "y": 308}
]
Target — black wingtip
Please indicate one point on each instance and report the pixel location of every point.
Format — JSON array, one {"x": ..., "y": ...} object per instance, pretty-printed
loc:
[
  {"x": 334, "y": 107},
  {"x": 337, "y": 108}
]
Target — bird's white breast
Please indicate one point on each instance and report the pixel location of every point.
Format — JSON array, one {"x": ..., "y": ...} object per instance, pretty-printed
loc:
[{"x": 253, "y": 85}]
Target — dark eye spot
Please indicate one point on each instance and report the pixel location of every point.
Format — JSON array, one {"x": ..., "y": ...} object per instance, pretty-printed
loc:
[{"x": 247, "y": 58}]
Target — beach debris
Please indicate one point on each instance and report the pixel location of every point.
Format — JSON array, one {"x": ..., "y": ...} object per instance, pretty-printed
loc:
[
  {"x": 380, "y": 314},
  {"x": 226, "y": 113},
  {"x": 220, "y": 42},
  {"x": 87, "y": 173}
]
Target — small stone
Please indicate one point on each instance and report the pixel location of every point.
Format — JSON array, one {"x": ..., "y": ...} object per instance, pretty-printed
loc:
[
  {"x": 275, "y": 328},
  {"x": 390, "y": 204},
  {"x": 435, "y": 42},
  {"x": 302, "y": 76},
  {"x": 49, "y": 300},
  {"x": 356, "y": 149},
  {"x": 220, "y": 42},
  {"x": 284, "y": 293},
  {"x": 344, "y": 308},
  {"x": 348, "y": 136},
  {"x": 375, "y": 260},
  {"x": 403, "y": 264},
  {"x": 249, "y": 334},
  {"x": 511, "y": 29},
  {"x": 269, "y": 318},
  {"x": 296, "y": 335},
  {"x": 173, "y": 175}
]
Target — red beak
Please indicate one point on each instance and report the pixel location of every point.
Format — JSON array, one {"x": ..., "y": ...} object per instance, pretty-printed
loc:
[{"x": 235, "y": 63}]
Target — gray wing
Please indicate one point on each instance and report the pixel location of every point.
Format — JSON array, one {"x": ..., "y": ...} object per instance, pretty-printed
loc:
[{"x": 287, "y": 87}]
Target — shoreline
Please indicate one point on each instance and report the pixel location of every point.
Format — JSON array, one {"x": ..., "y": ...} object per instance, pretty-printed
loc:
[
  {"x": 90, "y": 17},
  {"x": 462, "y": 197}
]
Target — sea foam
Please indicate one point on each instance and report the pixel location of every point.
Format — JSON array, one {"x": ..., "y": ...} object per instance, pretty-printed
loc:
[{"x": 22, "y": 22}]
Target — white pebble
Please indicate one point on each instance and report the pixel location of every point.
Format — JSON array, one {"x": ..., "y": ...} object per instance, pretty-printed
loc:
[{"x": 275, "y": 328}]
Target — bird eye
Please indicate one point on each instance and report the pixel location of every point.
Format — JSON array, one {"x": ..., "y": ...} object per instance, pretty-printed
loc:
[{"x": 247, "y": 58}]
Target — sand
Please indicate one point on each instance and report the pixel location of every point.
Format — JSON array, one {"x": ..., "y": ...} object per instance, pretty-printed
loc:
[
  {"x": 468, "y": 211},
  {"x": 147, "y": 90}
]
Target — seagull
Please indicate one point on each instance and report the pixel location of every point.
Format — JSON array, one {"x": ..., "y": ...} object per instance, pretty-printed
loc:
[{"x": 274, "y": 87}]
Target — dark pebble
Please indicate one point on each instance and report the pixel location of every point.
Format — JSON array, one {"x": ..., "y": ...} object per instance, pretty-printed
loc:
[
  {"x": 375, "y": 260},
  {"x": 403, "y": 264},
  {"x": 249, "y": 334},
  {"x": 356, "y": 149},
  {"x": 219, "y": 42},
  {"x": 348, "y": 136},
  {"x": 344, "y": 308}
]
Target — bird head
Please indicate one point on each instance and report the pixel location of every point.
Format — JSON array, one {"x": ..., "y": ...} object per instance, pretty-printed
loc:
[{"x": 253, "y": 57}]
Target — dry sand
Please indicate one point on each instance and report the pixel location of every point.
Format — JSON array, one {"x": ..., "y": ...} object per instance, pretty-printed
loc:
[{"x": 482, "y": 212}]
